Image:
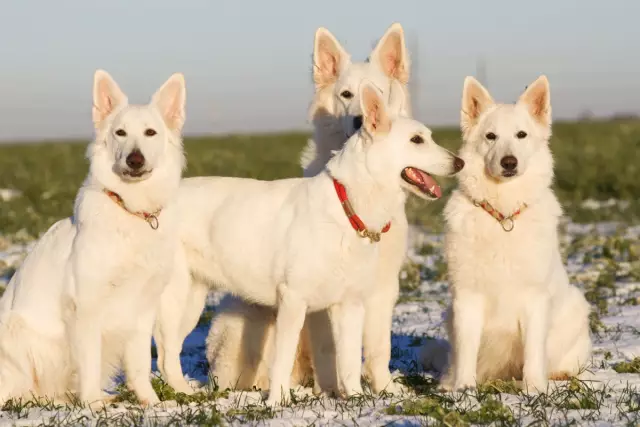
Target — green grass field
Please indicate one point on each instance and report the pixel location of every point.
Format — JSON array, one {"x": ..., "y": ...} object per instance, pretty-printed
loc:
[{"x": 594, "y": 160}]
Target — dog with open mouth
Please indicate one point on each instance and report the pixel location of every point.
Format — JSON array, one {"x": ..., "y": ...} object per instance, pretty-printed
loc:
[
  {"x": 318, "y": 244},
  {"x": 240, "y": 341}
]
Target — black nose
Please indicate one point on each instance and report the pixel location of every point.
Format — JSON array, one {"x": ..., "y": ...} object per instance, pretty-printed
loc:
[
  {"x": 509, "y": 163},
  {"x": 135, "y": 160},
  {"x": 458, "y": 164},
  {"x": 357, "y": 122}
]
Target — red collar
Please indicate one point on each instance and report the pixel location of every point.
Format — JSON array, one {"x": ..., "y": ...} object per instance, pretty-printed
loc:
[
  {"x": 354, "y": 219},
  {"x": 150, "y": 217}
]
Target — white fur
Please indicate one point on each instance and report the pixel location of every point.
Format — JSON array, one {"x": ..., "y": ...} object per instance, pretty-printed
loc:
[
  {"x": 231, "y": 338},
  {"x": 333, "y": 115},
  {"x": 514, "y": 313},
  {"x": 288, "y": 244},
  {"x": 84, "y": 300}
]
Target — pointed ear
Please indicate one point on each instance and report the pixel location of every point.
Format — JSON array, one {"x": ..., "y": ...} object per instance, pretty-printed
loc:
[
  {"x": 107, "y": 96},
  {"x": 391, "y": 54},
  {"x": 537, "y": 99},
  {"x": 397, "y": 98},
  {"x": 328, "y": 58},
  {"x": 375, "y": 118},
  {"x": 170, "y": 100},
  {"x": 475, "y": 101}
]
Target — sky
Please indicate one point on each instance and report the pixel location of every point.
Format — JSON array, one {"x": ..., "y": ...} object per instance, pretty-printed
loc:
[{"x": 247, "y": 64}]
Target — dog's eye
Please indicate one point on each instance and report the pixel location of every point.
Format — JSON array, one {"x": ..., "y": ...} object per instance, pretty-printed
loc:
[
  {"x": 417, "y": 139},
  {"x": 150, "y": 132},
  {"x": 491, "y": 136},
  {"x": 121, "y": 132},
  {"x": 522, "y": 134},
  {"x": 346, "y": 94}
]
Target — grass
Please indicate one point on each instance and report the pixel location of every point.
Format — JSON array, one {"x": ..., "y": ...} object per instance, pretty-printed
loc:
[{"x": 594, "y": 160}]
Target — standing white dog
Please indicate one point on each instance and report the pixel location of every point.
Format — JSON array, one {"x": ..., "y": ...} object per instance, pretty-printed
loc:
[
  {"x": 302, "y": 245},
  {"x": 86, "y": 296},
  {"x": 240, "y": 342},
  {"x": 514, "y": 313}
]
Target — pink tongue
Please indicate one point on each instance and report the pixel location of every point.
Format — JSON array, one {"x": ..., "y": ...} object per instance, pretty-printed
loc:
[{"x": 429, "y": 182}]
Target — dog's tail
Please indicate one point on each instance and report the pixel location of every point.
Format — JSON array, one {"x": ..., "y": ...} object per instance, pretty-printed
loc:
[{"x": 434, "y": 355}]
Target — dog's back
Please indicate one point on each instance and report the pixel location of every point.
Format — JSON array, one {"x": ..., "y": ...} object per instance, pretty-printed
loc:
[{"x": 34, "y": 355}]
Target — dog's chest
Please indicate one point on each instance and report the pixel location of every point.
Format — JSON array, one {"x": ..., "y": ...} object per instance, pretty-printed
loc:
[
  {"x": 342, "y": 274},
  {"x": 145, "y": 264},
  {"x": 482, "y": 254}
]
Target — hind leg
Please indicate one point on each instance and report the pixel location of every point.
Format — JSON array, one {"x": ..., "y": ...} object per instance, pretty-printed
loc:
[
  {"x": 239, "y": 344},
  {"x": 569, "y": 341},
  {"x": 320, "y": 327}
]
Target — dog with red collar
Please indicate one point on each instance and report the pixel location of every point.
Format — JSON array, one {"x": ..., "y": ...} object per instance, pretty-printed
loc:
[{"x": 305, "y": 244}]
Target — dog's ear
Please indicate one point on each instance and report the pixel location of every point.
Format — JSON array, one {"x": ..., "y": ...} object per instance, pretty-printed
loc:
[
  {"x": 397, "y": 98},
  {"x": 537, "y": 99},
  {"x": 475, "y": 101},
  {"x": 107, "y": 96},
  {"x": 375, "y": 118},
  {"x": 170, "y": 100},
  {"x": 391, "y": 54},
  {"x": 329, "y": 58}
]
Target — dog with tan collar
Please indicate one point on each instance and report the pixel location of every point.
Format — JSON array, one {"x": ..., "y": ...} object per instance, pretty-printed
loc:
[
  {"x": 514, "y": 313},
  {"x": 84, "y": 301}
]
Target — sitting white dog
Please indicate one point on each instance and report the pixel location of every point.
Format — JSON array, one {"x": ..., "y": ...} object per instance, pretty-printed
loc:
[
  {"x": 514, "y": 313},
  {"x": 85, "y": 299}
]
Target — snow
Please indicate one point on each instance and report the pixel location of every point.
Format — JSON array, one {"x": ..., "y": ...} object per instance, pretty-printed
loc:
[{"x": 615, "y": 397}]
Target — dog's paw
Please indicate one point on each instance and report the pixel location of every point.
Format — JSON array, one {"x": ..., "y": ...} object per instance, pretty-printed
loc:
[
  {"x": 149, "y": 402},
  {"x": 276, "y": 399},
  {"x": 353, "y": 390},
  {"x": 101, "y": 403},
  {"x": 395, "y": 389},
  {"x": 447, "y": 384},
  {"x": 534, "y": 385},
  {"x": 187, "y": 388}
]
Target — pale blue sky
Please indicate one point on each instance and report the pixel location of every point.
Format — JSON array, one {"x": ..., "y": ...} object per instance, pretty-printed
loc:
[{"x": 247, "y": 63}]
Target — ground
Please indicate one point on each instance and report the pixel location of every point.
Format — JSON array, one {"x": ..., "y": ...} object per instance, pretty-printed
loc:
[
  {"x": 602, "y": 258},
  {"x": 597, "y": 183}
]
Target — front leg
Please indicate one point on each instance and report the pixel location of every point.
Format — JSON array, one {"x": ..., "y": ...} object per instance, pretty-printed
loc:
[
  {"x": 536, "y": 326},
  {"x": 85, "y": 334},
  {"x": 180, "y": 308},
  {"x": 377, "y": 339},
  {"x": 467, "y": 324},
  {"x": 349, "y": 349},
  {"x": 379, "y": 308},
  {"x": 137, "y": 360},
  {"x": 291, "y": 313}
]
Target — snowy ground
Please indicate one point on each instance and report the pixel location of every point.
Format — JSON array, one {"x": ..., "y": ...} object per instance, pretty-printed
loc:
[{"x": 603, "y": 259}]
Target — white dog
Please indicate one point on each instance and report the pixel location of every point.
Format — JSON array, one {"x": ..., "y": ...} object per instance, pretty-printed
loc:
[
  {"x": 85, "y": 298},
  {"x": 514, "y": 313},
  {"x": 240, "y": 341},
  {"x": 289, "y": 244}
]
